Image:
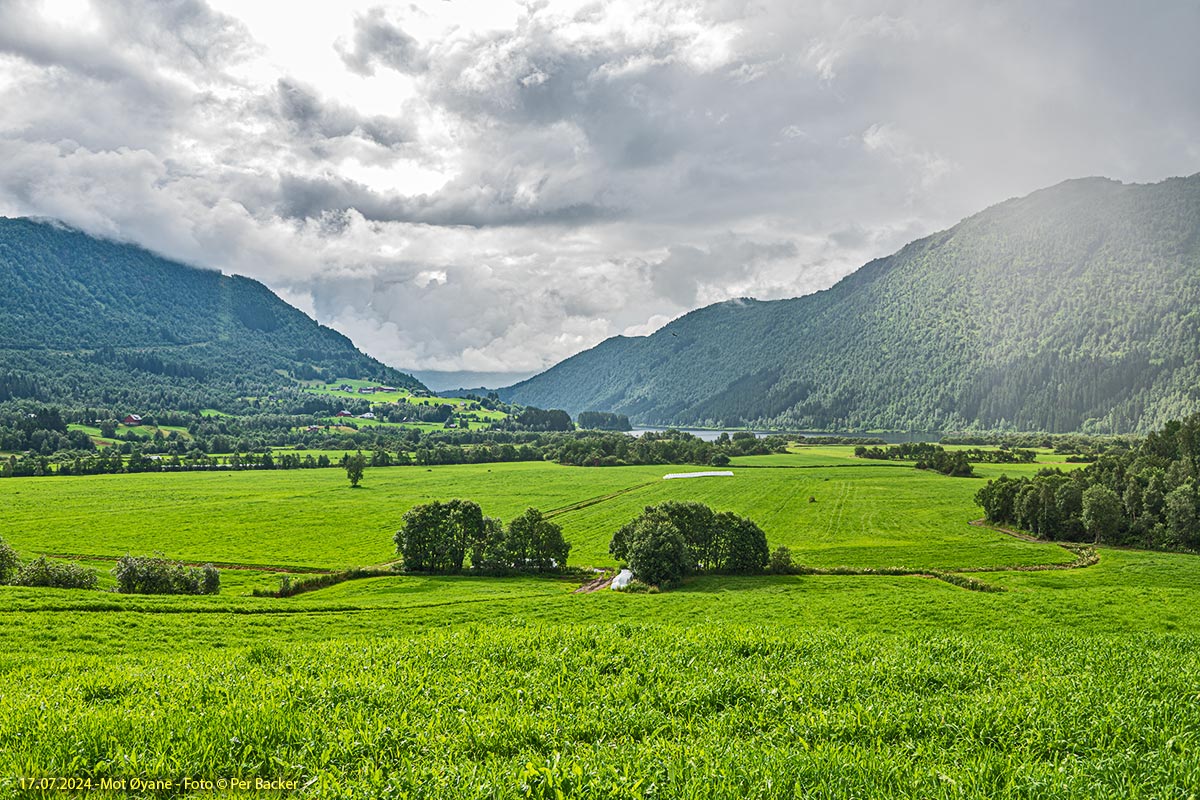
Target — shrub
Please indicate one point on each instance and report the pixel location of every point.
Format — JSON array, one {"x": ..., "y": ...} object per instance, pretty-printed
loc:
[
  {"x": 781, "y": 561},
  {"x": 638, "y": 587},
  {"x": 157, "y": 575},
  {"x": 9, "y": 562},
  {"x": 55, "y": 574}
]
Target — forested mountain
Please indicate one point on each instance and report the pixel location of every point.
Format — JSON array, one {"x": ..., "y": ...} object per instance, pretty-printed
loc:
[
  {"x": 88, "y": 320},
  {"x": 1074, "y": 308}
]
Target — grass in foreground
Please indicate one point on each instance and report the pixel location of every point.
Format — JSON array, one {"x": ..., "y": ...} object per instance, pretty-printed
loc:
[{"x": 1077, "y": 684}]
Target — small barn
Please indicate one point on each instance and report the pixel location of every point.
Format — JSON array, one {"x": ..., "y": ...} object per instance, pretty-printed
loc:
[{"x": 132, "y": 419}]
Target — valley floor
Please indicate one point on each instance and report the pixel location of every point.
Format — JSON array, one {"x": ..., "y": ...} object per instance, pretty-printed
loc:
[{"x": 1069, "y": 683}]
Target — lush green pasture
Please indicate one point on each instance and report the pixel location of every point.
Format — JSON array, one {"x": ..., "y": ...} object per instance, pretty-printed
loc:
[
  {"x": 1073, "y": 684},
  {"x": 294, "y": 517},
  {"x": 1077, "y": 683},
  {"x": 401, "y": 395},
  {"x": 863, "y": 513}
]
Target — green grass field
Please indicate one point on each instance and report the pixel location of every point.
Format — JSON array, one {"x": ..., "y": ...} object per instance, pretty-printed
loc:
[
  {"x": 1077, "y": 683},
  {"x": 865, "y": 514}
]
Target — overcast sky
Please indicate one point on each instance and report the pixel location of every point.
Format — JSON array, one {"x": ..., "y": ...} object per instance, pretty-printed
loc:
[{"x": 495, "y": 186}]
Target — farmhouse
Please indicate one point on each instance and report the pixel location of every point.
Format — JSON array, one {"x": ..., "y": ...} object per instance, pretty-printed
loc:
[
  {"x": 367, "y": 415},
  {"x": 132, "y": 419}
]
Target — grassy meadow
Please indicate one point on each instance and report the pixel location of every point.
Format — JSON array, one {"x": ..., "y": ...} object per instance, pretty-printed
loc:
[
  {"x": 1069, "y": 683},
  {"x": 861, "y": 513}
]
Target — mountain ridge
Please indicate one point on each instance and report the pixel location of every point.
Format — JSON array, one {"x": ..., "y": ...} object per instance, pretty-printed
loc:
[
  {"x": 88, "y": 319},
  {"x": 991, "y": 323}
]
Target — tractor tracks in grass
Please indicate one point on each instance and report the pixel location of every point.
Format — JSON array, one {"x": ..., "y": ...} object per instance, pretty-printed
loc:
[{"x": 567, "y": 509}]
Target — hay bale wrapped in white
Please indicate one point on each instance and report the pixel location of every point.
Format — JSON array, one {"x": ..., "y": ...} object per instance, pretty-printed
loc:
[{"x": 623, "y": 578}]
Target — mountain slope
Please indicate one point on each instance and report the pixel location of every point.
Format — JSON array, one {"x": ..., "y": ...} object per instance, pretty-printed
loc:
[
  {"x": 1073, "y": 308},
  {"x": 88, "y": 320}
]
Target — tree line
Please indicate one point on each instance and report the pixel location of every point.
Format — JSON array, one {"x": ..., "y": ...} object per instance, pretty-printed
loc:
[
  {"x": 1145, "y": 496},
  {"x": 928, "y": 456}
]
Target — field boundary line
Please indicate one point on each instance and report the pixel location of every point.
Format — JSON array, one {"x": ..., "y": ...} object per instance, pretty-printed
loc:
[{"x": 1086, "y": 555}]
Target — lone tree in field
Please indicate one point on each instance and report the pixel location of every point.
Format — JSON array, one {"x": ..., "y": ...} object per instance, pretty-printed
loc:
[{"x": 356, "y": 465}]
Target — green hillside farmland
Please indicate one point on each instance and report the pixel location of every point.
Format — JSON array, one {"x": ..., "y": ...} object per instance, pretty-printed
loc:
[
  {"x": 401, "y": 394},
  {"x": 866, "y": 514}
]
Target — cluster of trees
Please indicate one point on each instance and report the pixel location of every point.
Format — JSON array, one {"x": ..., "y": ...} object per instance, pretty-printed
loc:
[
  {"x": 602, "y": 421},
  {"x": 38, "y": 429},
  {"x": 43, "y": 572},
  {"x": 928, "y": 456},
  {"x": 440, "y": 537},
  {"x": 157, "y": 575},
  {"x": 673, "y": 539},
  {"x": 537, "y": 419},
  {"x": 1145, "y": 497},
  {"x": 666, "y": 447}
]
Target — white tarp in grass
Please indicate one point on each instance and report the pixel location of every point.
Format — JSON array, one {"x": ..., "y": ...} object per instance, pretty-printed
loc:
[
  {"x": 697, "y": 475},
  {"x": 622, "y": 580}
]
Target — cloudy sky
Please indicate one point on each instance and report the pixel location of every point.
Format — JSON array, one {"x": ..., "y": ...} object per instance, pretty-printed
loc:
[{"x": 494, "y": 186}]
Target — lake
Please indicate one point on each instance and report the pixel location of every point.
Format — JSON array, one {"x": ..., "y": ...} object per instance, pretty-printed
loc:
[{"x": 893, "y": 437}]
